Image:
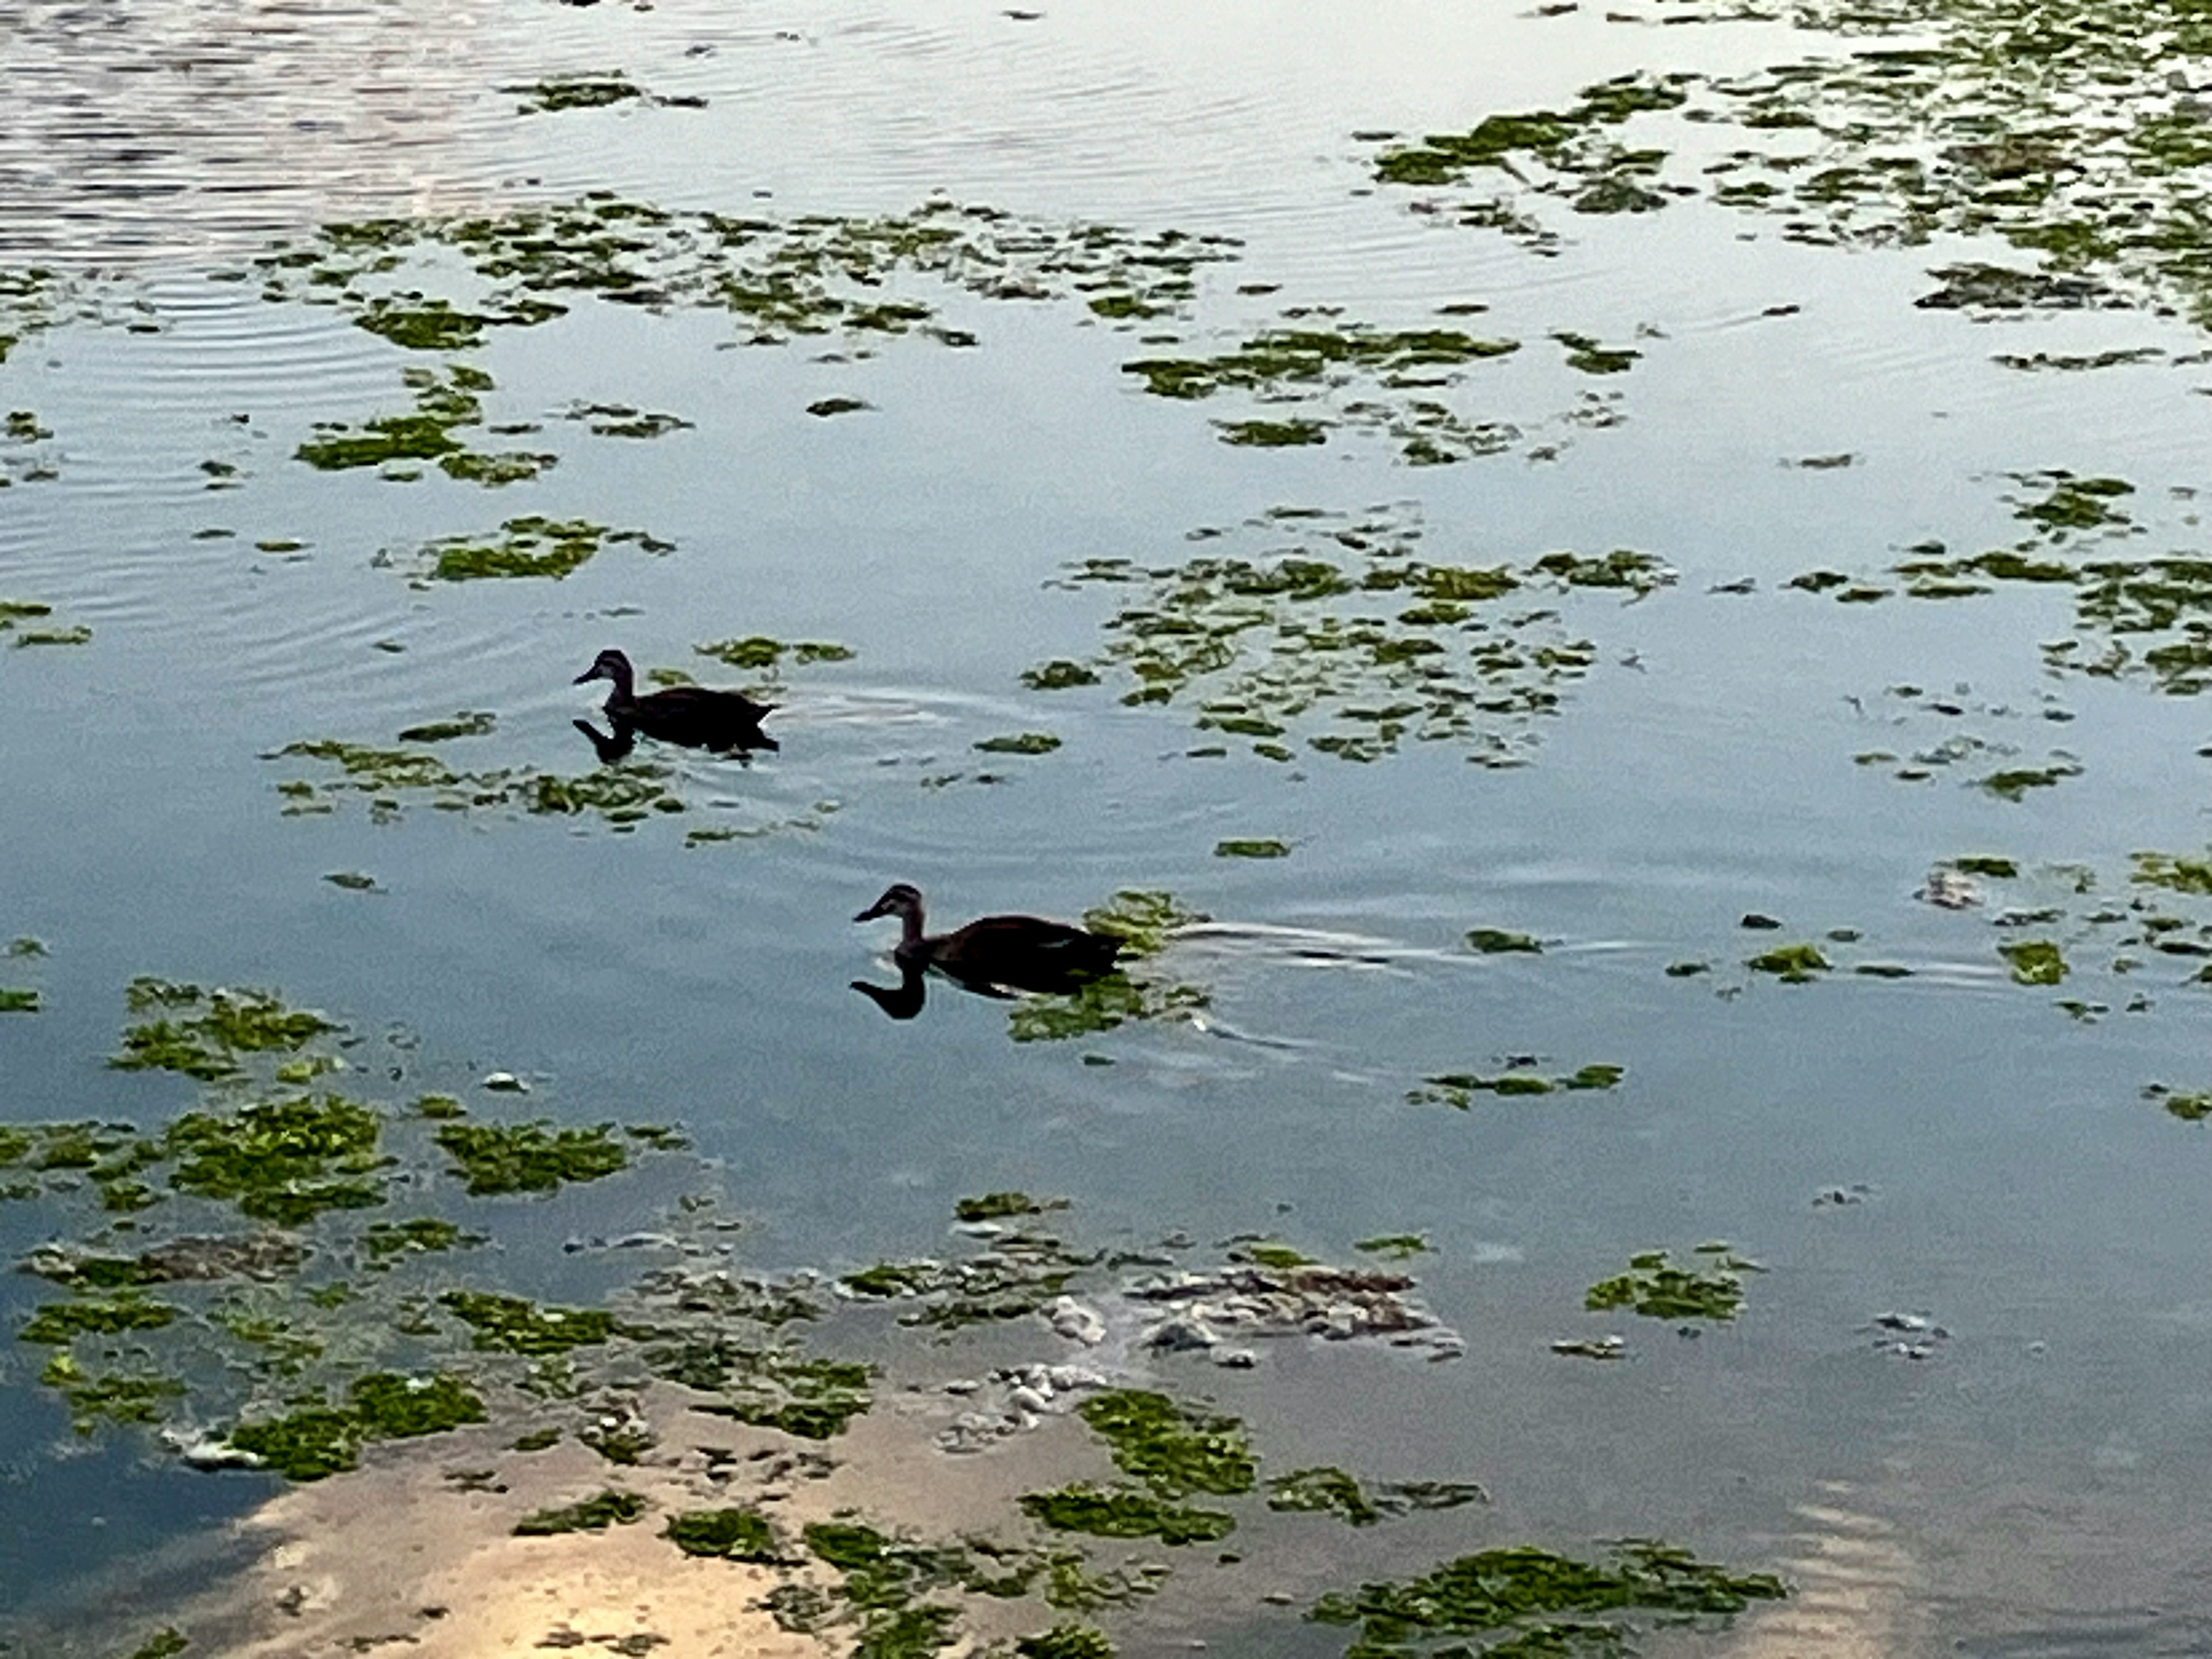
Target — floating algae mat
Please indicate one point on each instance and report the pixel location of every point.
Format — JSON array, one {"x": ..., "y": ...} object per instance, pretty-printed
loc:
[
  {"x": 1334, "y": 637},
  {"x": 1924, "y": 120}
]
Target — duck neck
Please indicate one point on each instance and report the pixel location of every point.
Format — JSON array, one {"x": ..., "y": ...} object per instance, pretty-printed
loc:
[
  {"x": 910, "y": 930},
  {"x": 625, "y": 683}
]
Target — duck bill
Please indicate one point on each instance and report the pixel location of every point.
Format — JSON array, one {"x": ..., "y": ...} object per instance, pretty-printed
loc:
[
  {"x": 594, "y": 672},
  {"x": 872, "y": 913}
]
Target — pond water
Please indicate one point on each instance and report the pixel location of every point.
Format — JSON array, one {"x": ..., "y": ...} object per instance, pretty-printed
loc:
[{"x": 1628, "y": 583}]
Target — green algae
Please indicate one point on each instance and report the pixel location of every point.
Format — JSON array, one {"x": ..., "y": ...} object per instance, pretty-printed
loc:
[
  {"x": 1103, "y": 1004},
  {"x": 388, "y": 1241},
  {"x": 1395, "y": 1247},
  {"x": 1998, "y": 869},
  {"x": 529, "y": 546},
  {"x": 1711, "y": 1286},
  {"x": 1518, "y": 1592},
  {"x": 810, "y": 276},
  {"x": 1494, "y": 941},
  {"x": 1174, "y": 1450},
  {"x": 568, "y": 92},
  {"x": 1251, "y": 848},
  {"x": 1019, "y": 742},
  {"x": 62, "y": 1323},
  {"x": 2035, "y": 962},
  {"x": 16, "y": 1000},
  {"x": 1974, "y": 122},
  {"x": 1587, "y": 355},
  {"x": 498, "y": 1160},
  {"x": 2013, "y": 783},
  {"x": 611, "y": 1507},
  {"x": 1358, "y": 376},
  {"x": 445, "y": 404},
  {"x": 1058, "y": 675},
  {"x": 95, "y": 1398},
  {"x": 1348, "y": 639},
  {"x": 164, "y": 1644},
  {"x": 1144, "y": 921},
  {"x": 205, "y": 1033},
  {"x": 286, "y": 1161},
  {"x": 729, "y": 1534},
  {"x": 1793, "y": 964},
  {"x": 511, "y": 1324},
  {"x": 1002, "y": 1206},
  {"x": 316, "y": 1441},
  {"x": 1458, "y": 1089},
  {"x": 1012, "y": 1274},
  {"x": 1322, "y": 1490},
  {"x": 18, "y": 949},
  {"x": 1066, "y": 1641},
  {"x": 1119, "y": 1512},
  {"x": 763, "y": 651}
]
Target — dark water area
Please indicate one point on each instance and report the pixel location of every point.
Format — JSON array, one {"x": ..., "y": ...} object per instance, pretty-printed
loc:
[{"x": 1629, "y": 584}]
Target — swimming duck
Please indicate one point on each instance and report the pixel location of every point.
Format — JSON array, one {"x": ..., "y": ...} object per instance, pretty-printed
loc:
[
  {"x": 1025, "y": 953},
  {"x": 691, "y": 716}
]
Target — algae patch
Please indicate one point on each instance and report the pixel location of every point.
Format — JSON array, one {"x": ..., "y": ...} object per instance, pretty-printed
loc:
[{"x": 1709, "y": 1286}]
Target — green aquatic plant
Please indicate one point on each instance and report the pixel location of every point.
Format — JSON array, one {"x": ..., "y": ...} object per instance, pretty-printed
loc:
[
  {"x": 1002, "y": 1206},
  {"x": 1494, "y": 941},
  {"x": 61, "y": 1322},
  {"x": 1519, "y": 1592},
  {"x": 1710, "y": 1287},
  {"x": 1172, "y": 1449},
  {"x": 1360, "y": 376},
  {"x": 1103, "y": 1004},
  {"x": 286, "y": 1161},
  {"x": 1395, "y": 1247},
  {"x": 514, "y": 1325},
  {"x": 731, "y": 1534},
  {"x": 164, "y": 1644},
  {"x": 316, "y": 1441},
  {"x": 17, "y": 1000},
  {"x": 611, "y": 1507},
  {"x": 445, "y": 404},
  {"x": 1322, "y": 1491},
  {"x": 1121, "y": 1512},
  {"x": 1793, "y": 964},
  {"x": 387, "y": 1241},
  {"x": 1058, "y": 675},
  {"x": 203, "y": 1034},
  {"x": 760, "y": 651},
  {"x": 568, "y": 92},
  {"x": 1347, "y": 640},
  {"x": 529, "y": 546},
  {"x": 504, "y": 1158},
  {"x": 1066, "y": 1641},
  {"x": 1144, "y": 921},
  {"x": 1458, "y": 1089},
  {"x": 1252, "y": 848},
  {"x": 861, "y": 276},
  {"x": 1019, "y": 742},
  {"x": 2035, "y": 962}
]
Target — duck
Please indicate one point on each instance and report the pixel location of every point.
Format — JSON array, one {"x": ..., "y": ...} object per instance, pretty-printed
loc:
[
  {"x": 691, "y": 716},
  {"x": 1023, "y": 953}
]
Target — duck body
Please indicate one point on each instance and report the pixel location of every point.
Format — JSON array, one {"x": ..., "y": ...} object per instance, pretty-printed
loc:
[
  {"x": 693, "y": 716},
  {"x": 1023, "y": 953}
]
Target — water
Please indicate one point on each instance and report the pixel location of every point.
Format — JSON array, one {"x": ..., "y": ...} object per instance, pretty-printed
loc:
[{"x": 2027, "y": 1487}]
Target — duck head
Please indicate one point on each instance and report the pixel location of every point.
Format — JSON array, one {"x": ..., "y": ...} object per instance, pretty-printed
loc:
[
  {"x": 899, "y": 900},
  {"x": 610, "y": 665}
]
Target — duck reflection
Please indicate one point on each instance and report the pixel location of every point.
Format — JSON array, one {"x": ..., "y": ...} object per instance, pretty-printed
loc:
[{"x": 693, "y": 716}]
